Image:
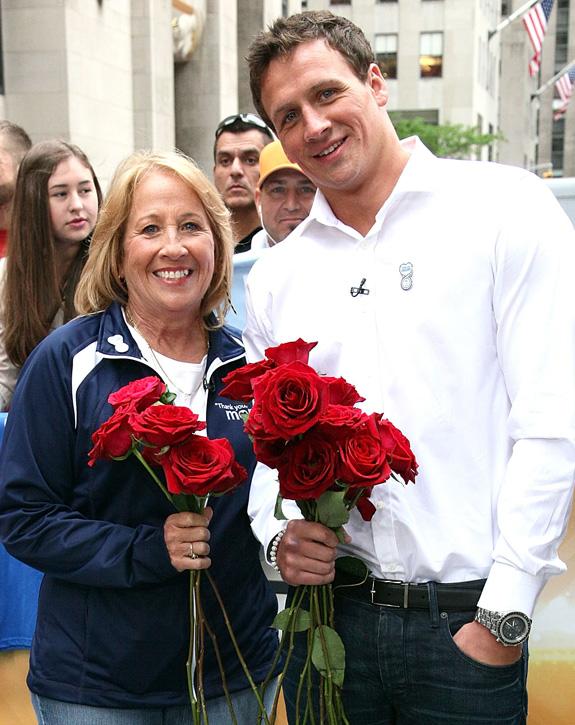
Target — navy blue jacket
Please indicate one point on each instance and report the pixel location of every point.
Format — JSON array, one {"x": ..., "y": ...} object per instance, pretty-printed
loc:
[{"x": 113, "y": 622}]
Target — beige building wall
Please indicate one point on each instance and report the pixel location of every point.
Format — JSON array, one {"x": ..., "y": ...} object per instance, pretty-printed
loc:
[
  {"x": 99, "y": 74},
  {"x": 152, "y": 74},
  {"x": 517, "y": 112},
  {"x": 547, "y": 127},
  {"x": 206, "y": 86},
  {"x": 468, "y": 87},
  {"x": 251, "y": 18},
  {"x": 527, "y": 121}
]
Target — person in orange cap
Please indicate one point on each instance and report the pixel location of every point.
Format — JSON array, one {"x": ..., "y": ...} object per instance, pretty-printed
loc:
[{"x": 284, "y": 196}]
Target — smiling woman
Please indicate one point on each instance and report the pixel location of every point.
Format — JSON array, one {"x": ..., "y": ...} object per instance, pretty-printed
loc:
[
  {"x": 55, "y": 208},
  {"x": 114, "y": 624}
]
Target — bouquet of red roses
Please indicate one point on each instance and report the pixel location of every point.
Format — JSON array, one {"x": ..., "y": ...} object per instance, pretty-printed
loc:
[
  {"x": 328, "y": 454},
  {"x": 147, "y": 425}
]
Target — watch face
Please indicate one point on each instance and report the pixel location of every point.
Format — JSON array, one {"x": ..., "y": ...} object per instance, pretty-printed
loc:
[{"x": 514, "y": 628}]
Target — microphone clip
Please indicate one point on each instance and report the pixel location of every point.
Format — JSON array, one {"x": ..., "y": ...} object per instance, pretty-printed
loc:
[{"x": 361, "y": 290}]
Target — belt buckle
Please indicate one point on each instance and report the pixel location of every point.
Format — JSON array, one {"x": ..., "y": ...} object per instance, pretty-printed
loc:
[{"x": 405, "y": 586}]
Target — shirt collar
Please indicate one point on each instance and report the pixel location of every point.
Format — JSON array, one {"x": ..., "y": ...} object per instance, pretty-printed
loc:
[{"x": 417, "y": 176}]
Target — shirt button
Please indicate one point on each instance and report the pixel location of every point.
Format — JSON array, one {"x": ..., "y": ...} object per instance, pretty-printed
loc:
[
  {"x": 392, "y": 567},
  {"x": 379, "y": 505}
]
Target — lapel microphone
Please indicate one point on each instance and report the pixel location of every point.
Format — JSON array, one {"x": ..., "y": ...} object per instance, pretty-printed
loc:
[{"x": 361, "y": 290}]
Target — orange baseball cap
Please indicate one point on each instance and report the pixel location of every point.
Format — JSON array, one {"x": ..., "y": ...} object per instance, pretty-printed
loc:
[{"x": 273, "y": 158}]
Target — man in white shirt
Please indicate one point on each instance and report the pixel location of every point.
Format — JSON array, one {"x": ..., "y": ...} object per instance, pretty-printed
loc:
[{"x": 442, "y": 290}]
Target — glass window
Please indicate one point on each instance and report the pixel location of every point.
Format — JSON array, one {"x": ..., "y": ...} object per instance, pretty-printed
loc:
[
  {"x": 430, "y": 55},
  {"x": 340, "y": 2},
  {"x": 557, "y": 146},
  {"x": 386, "y": 54}
]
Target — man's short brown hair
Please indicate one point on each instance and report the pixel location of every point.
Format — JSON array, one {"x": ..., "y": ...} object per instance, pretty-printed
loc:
[
  {"x": 285, "y": 34},
  {"x": 14, "y": 140}
]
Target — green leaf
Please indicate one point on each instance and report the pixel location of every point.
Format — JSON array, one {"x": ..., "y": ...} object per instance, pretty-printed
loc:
[
  {"x": 331, "y": 509},
  {"x": 453, "y": 140},
  {"x": 328, "y": 654},
  {"x": 297, "y": 620},
  {"x": 180, "y": 501},
  {"x": 167, "y": 398},
  {"x": 278, "y": 513},
  {"x": 340, "y": 533},
  {"x": 244, "y": 415},
  {"x": 352, "y": 565}
]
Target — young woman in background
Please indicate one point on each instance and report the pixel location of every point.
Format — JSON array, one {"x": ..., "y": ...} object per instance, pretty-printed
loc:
[{"x": 54, "y": 212}]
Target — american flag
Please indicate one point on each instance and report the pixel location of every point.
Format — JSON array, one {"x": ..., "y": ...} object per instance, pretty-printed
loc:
[
  {"x": 564, "y": 88},
  {"x": 535, "y": 22}
]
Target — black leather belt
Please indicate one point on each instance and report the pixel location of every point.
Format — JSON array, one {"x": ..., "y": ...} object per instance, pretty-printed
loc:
[{"x": 462, "y": 596}]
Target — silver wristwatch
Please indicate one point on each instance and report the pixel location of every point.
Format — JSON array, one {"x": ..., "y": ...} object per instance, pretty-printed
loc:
[{"x": 509, "y": 628}]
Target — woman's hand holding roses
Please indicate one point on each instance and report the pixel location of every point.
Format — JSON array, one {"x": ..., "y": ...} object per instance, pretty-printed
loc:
[{"x": 185, "y": 534}]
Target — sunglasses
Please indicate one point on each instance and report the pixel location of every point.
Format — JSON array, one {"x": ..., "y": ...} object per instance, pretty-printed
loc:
[{"x": 249, "y": 119}]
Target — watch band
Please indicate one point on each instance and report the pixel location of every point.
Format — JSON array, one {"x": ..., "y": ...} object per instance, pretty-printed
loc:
[
  {"x": 488, "y": 619},
  {"x": 508, "y": 628}
]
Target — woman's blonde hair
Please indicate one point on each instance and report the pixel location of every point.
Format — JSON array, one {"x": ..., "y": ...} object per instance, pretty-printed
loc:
[{"x": 101, "y": 282}]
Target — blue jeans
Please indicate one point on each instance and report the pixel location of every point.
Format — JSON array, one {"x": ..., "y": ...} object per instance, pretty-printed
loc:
[
  {"x": 403, "y": 668},
  {"x": 56, "y": 712}
]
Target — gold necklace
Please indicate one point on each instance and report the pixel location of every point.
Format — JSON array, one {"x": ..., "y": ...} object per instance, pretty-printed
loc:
[{"x": 172, "y": 385}]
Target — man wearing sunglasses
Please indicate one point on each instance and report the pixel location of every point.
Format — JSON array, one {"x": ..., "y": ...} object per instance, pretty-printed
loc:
[{"x": 239, "y": 141}]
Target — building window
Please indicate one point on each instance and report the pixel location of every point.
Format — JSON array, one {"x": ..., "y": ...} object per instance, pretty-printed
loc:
[
  {"x": 557, "y": 146},
  {"x": 505, "y": 8},
  {"x": 340, "y": 2},
  {"x": 430, "y": 55},
  {"x": 386, "y": 54},
  {"x": 490, "y": 147},
  {"x": 386, "y": 1}
]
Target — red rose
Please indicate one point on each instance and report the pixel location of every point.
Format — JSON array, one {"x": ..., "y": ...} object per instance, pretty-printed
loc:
[
  {"x": 254, "y": 425},
  {"x": 363, "y": 460},
  {"x": 341, "y": 419},
  {"x": 202, "y": 466},
  {"x": 288, "y": 352},
  {"x": 365, "y": 508},
  {"x": 291, "y": 399},
  {"x": 364, "y": 505},
  {"x": 238, "y": 383},
  {"x": 113, "y": 439},
  {"x": 400, "y": 456},
  {"x": 142, "y": 392},
  {"x": 269, "y": 451},
  {"x": 166, "y": 425},
  {"x": 153, "y": 456},
  {"x": 307, "y": 467},
  {"x": 267, "y": 448},
  {"x": 341, "y": 392}
]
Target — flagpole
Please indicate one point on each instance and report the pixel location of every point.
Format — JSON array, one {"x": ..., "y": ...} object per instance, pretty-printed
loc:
[
  {"x": 550, "y": 82},
  {"x": 504, "y": 23}
]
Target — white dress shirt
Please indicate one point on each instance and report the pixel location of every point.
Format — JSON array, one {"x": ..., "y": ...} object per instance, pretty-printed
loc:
[{"x": 466, "y": 342}]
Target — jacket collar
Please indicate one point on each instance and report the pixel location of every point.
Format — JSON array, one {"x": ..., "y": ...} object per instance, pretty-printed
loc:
[{"x": 115, "y": 340}]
